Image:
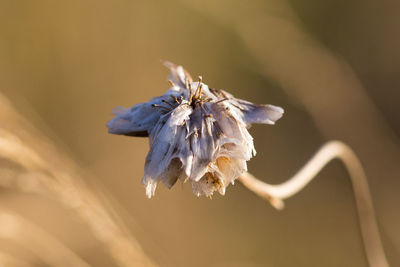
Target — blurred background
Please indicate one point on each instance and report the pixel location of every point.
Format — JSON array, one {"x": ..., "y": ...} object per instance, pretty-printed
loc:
[{"x": 333, "y": 65}]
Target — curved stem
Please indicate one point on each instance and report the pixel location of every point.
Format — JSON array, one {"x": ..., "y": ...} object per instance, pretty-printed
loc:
[{"x": 331, "y": 150}]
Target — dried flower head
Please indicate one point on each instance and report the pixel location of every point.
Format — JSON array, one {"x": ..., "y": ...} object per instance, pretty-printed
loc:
[{"x": 196, "y": 134}]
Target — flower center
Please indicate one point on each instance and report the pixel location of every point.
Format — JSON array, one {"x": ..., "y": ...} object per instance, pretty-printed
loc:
[{"x": 196, "y": 97}]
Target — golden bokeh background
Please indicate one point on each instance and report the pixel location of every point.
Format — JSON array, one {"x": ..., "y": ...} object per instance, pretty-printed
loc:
[{"x": 332, "y": 65}]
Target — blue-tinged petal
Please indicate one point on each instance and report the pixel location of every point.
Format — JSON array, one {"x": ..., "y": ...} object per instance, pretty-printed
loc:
[
  {"x": 179, "y": 76},
  {"x": 253, "y": 113},
  {"x": 202, "y": 143},
  {"x": 165, "y": 143},
  {"x": 250, "y": 112},
  {"x": 140, "y": 119},
  {"x": 135, "y": 121}
]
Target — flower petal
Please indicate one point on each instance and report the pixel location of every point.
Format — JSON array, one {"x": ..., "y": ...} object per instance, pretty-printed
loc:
[
  {"x": 253, "y": 113},
  {"x": 229, "y": 168},
  {"x": 201, "y": 143},
  {"x": 140, "y": 119},
  {"x": 172, "y": 172},
  {"x": 179, "y": 76},
  {"x": 165, "y": 142},
  {"x": 250, "y": 112},
  {"x": 232, "y": 128},
  {"x": 135, "y": 121},
  {"x": 207, "y": 185}
]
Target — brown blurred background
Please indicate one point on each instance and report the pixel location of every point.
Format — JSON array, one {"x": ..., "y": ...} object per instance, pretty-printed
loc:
[{"x": 332, "y": 65}]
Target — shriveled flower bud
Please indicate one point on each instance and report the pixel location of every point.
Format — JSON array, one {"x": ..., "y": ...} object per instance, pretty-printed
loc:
[{"x": 196, "y": 134}]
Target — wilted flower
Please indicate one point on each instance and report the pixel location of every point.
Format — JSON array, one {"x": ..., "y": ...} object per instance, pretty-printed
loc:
[{"x": 196, "y": 134}]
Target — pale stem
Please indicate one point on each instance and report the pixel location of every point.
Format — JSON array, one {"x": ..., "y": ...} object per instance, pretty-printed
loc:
[{"x": 331, "y": 150}]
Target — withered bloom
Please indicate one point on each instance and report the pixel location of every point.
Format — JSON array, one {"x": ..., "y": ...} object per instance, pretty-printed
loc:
[{"x": 196, "y": 134}]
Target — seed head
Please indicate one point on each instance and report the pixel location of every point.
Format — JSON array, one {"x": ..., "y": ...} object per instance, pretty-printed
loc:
[{"x": 196, "y": 134}]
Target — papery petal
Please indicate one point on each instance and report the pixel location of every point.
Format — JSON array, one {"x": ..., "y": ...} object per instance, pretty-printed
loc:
[
  {"x": 140, "y": 119},
  {"x": 253, "y": 113},
  {"x": 207, "y": 185},
  {"x": 250, "y": 112},
  {"x": 229, "y": 168},
  {"x": 232, "y": 128},
  {"x": 135, "y": 121},
  {"x": 172, "y": 172},
  {"x": 151, "y": 186},
  {"x": 202, "y": 143},
  {"x": 221, "y": 173},
  {"x": 179, "y": 76},
  {"x": 164, "y": 140}
]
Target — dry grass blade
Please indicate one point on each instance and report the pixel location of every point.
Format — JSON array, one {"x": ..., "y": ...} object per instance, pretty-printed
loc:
[
  {"x": 30, "y": 236},
  {"x": 58, "y": 177},
  {"x": 11, "y": 261}
]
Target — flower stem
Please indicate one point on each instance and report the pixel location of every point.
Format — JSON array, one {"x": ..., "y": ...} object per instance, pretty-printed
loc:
[{"x": 275, "y": 194}]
